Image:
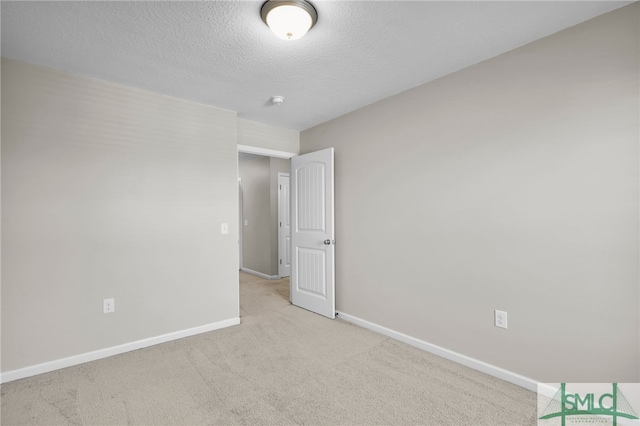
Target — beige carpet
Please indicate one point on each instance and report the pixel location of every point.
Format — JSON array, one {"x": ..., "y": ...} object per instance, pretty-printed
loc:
[{"x": 282, "y": 365}]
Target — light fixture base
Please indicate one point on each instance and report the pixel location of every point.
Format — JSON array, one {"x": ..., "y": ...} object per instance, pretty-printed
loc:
[{"x": 286, "y": 14}]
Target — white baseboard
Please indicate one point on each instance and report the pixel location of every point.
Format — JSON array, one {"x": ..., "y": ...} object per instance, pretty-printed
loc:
[
  {"x": 478, "y": 365},
  {"x": 260, "y": 274},
  {"x": 46, "y": 367}
]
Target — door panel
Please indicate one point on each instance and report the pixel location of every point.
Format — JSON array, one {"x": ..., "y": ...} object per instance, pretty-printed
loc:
[
  {"x": 311, "y": 204},
  {"x": 311, "y": 273},
  {"x": 312, "y": 232}
]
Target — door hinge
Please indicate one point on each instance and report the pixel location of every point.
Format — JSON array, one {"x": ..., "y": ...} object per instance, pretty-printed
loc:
[
  {"x": 281, "y": 261},
  {"x": 280, "y": 224},
  {"x": 280, "y": 186}
]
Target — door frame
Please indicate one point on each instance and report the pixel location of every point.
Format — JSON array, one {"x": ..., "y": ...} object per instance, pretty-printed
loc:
[{"x": 266, "y": 152}]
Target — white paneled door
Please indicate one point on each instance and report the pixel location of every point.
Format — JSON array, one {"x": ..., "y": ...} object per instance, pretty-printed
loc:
[
  {"x": 312, "y": 233},
  {"x": 284, "y": 225}
]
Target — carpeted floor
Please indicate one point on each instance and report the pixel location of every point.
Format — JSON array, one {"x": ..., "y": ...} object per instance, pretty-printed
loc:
[{"x": 282, "y": 365}]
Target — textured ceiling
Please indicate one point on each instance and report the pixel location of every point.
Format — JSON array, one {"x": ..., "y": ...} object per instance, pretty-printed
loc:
[{"x": 220, "y": 53}]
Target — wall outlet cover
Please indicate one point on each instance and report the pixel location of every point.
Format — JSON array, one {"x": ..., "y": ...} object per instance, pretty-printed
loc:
[
  {"x": 108, "y": 306},
  {"x": 500, "y": 319}
]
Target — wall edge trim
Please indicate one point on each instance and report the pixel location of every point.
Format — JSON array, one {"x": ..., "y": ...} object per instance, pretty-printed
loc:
[
  {"x": 260, "y": 274},
  {"x": 58, "y": 364},
  {"x": 456, "y": 357}
]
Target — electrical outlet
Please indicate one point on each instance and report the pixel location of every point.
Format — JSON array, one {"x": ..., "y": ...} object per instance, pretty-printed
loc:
[
  {"x": 501, "y": 319},
  {"x": 108, "y": 306}
]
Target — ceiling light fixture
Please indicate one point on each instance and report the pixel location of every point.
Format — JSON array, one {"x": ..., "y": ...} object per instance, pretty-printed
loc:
[{"x": 289, "y": 19}]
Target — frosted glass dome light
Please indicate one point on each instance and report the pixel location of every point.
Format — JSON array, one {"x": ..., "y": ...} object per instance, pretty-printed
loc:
[{"x": 289, "y": 19}]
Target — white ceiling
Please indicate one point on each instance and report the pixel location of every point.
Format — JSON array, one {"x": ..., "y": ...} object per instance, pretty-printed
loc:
[{"x": 220, "y": 53}]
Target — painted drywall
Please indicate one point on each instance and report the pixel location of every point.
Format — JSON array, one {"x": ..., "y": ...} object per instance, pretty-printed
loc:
[
  {"x": 261, "y": 135},
  {"x": 511, "y": 185},
  {"x": 256, "y": 213},
  {"x": 260, "y": 209},
  {"x": 111, "y": 192}
]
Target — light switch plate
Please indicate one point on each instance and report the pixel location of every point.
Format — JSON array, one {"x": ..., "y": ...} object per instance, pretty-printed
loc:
[{"x": 224, "y": 228}]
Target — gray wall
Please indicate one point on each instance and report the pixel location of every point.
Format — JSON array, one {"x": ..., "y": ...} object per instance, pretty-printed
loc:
[
  {"x": 512, "y": 185},
  {"x": 261, "y": 135},
  {"x": 109, "y": 191},
  {"x": 260, "y": 208},
  {"x": 256, "y": 210}
]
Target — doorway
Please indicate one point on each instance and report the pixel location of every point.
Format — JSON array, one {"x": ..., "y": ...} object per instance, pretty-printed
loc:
[
  {"x": 263, "y": 212},
  {"x": 311, "y": 199}
]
